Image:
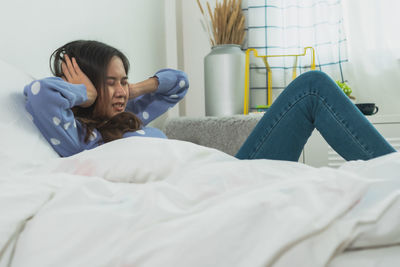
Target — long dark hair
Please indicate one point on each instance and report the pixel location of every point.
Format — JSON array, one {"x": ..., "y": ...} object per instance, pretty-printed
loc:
[{"x": 93, "y": 58}]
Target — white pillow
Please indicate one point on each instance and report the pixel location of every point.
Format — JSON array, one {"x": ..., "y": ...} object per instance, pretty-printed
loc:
[{"x": 19, "y": 137}]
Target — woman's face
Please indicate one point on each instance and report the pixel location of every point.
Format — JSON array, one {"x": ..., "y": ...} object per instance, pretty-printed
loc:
[{"x": 117, "y": 89}]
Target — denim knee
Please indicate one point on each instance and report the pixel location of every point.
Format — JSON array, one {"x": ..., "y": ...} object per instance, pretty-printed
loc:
[
  {"x": 319, "y": 82},
  {"x": 315, "y": 74}
]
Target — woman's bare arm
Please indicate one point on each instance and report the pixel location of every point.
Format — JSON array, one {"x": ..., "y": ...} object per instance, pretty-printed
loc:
[{"x": 147, "y": 86}]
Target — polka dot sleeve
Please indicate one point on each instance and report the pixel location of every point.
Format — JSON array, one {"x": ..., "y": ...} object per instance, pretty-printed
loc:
[
  {"x": 49, "y": 101},
  {"x": 173, "y": 85}
]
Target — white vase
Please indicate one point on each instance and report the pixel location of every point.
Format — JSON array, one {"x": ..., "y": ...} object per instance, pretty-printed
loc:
[{"x": 224, "y": 70}]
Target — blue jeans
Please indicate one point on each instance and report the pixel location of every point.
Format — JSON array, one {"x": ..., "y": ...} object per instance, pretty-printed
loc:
[{"x": 313, "y": 100}]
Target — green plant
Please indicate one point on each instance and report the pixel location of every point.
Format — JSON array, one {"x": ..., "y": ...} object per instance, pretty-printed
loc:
[{"x": 345, "y": 88}]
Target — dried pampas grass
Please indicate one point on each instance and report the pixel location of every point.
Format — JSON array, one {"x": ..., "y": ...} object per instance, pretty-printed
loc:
[{"x": 227, "y": 22}]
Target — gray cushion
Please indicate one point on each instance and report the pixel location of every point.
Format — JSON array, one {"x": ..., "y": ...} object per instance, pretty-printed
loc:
[{"x": 223, "y": 133}]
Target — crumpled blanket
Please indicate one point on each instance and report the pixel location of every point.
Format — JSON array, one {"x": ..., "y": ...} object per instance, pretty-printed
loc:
[{"x": 155, "y": 202}]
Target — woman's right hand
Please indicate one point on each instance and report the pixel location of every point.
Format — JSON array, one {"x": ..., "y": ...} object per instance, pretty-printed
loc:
[{"x": 73, "y": 74}]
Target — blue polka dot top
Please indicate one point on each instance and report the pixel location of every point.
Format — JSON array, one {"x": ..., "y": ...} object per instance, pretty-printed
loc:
[{"x": 50, "y": 100}]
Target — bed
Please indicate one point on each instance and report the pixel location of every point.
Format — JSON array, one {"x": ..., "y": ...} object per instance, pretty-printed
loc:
[{"x": 153, "y": 202}]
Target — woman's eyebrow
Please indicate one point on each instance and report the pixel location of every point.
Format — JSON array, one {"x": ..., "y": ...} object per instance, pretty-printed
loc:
[{"x": 114, "y": 78}]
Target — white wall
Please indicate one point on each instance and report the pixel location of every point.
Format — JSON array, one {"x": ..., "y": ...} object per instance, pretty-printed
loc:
[
  {"x": 31, "y": 30},
  {"x": 194, "y": 46}
]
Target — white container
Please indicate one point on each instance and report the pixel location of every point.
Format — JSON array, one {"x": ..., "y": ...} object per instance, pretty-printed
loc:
[{"x": 224, "y": 70}]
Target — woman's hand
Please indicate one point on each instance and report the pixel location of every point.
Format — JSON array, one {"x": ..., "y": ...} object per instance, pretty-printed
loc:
[{"x": 73, "y": 74}]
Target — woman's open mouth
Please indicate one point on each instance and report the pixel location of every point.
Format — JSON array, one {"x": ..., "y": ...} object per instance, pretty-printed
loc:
[{"x": 119, "y": 107}]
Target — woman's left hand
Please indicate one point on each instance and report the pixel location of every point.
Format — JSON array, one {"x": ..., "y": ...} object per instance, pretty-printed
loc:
[{"x": 73, "y": 74}]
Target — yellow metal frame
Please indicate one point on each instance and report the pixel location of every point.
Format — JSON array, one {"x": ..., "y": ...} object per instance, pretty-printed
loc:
[{"x": 269, "y": 82}]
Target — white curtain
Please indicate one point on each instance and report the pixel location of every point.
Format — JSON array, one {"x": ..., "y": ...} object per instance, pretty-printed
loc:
[
  {"x": 373, "y": 28},
  {"x": 276, "y": 27}
]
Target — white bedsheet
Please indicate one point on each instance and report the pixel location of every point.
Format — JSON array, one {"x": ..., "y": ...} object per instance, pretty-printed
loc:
[
  {"x": 154, "y": 202},
  {"x": 378, "y": 257}
]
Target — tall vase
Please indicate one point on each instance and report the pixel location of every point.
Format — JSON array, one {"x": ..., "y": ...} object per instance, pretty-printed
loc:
[{"x": 224, "y": 70}]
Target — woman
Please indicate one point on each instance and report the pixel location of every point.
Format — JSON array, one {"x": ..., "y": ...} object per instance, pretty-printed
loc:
[{"x": 85, "y": 106}]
